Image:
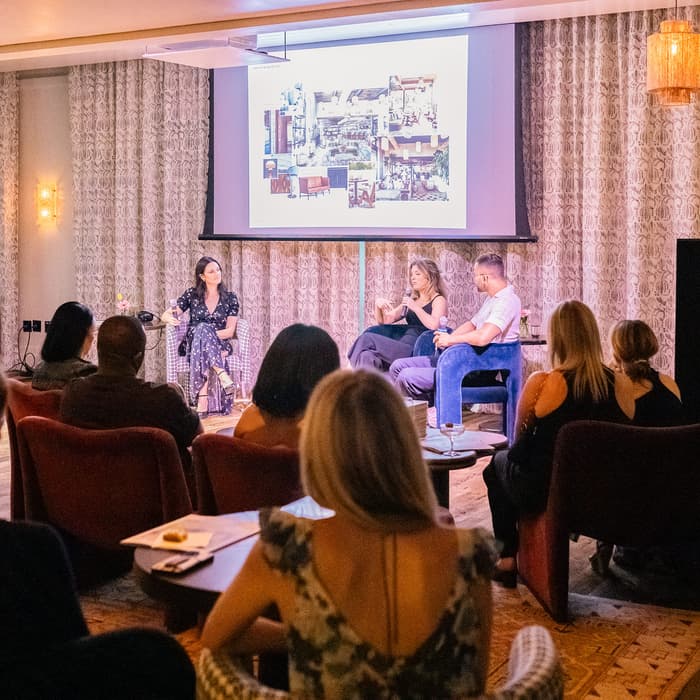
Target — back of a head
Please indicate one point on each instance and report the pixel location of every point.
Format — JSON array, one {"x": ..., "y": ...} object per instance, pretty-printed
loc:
[
  {"x": 633, "y": 344},
  {"x": 574, "y": 346},
  {"x": 299, "y": 357},
  {"x": 360, "y": 454},
  {"x": 66, "y": 333},
  {"x": 121, "y": 342},
  {"x": 493, "y": 262}
]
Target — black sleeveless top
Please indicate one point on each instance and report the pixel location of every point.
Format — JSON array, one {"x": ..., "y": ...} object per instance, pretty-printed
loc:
[
  {"x": 534, "y": 452},
  {"x": 413, "y": 320},
  {"x": 658, "y": 407}
]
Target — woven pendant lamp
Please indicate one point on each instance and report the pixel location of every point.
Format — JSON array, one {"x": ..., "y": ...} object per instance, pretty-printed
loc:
[{"x": 673, "y": 63}]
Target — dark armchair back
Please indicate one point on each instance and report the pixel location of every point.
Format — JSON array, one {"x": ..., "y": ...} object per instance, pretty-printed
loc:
[{"x": 617, "y": 483}]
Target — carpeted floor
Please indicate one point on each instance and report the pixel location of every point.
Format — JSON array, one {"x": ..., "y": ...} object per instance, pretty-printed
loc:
[{"x": 611, "y": 649}]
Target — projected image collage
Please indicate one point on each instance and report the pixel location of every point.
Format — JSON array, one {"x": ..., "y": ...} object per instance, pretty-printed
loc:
[{"x": 375, "y": 149}]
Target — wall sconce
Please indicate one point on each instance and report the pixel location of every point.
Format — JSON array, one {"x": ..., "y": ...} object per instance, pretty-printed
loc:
[
  {"x": 419, "y": 146},
  {"x": 433, "y": 140},
  {"x": 46, "y": 203}
]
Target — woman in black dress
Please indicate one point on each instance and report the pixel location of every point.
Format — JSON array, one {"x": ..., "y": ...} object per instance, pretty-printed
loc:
[
  {"x": 378, "y": 346},
  {"x": 213, "y": 315},
  {"x": 579, "y": 387}
]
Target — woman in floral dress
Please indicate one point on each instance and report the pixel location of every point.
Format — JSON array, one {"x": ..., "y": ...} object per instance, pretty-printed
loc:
[{"x": 378, "y": 600}]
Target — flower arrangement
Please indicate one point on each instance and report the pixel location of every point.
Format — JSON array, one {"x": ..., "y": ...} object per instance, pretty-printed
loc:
[{"x": 122, "y": 303}]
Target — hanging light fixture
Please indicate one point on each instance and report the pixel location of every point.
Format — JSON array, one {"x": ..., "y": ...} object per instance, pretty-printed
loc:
[{"x": 673, "y": 62}]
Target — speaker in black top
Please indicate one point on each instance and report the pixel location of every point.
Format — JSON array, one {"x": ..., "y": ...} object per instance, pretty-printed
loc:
[{"x": 687, "y": 373}]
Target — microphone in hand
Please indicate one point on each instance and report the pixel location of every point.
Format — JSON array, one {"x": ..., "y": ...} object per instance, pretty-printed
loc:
[{"x": 404, "y": 307}]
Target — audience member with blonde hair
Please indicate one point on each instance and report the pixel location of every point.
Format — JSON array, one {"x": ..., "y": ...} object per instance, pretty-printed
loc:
[
  {"x": 378, "y": 600},
  {"x": 422, "y": 308},
  {"x": 579, "y": 386}
]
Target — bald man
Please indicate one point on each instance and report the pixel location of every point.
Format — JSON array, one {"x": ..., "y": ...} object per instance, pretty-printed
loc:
[{"x": 114, "y": 397}]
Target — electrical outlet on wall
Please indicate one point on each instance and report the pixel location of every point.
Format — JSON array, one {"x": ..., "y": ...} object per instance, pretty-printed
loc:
[
  {"x": 36, "y": 326},
  {"x": 26, "y": 326}
]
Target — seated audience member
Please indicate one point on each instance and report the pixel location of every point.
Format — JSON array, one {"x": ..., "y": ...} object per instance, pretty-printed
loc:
[
  {"x": 657, "y": 402},
  {"x": 299, "y": 357},
  {"x": 657, "y": 398},
  {"x": 378, "y": 600},
  {"x": 380, "y": 345},
  {"x": 579, "y": 386},
  {"x": 497, "y": 321},
  {"x": 46, "y": 650},
  {"x": 68, "y": 339},
  {"x": 114, "y": 397}
]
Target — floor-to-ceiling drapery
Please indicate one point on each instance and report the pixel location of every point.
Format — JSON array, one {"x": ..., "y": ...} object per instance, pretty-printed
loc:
[
  {"x": 613, "y": 178},
  {"x": 139, "y": 133},
  {"x": 9, "y": 211}
]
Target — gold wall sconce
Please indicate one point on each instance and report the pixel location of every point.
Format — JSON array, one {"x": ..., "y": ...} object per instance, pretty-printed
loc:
[{"x": 46, "y": 203}]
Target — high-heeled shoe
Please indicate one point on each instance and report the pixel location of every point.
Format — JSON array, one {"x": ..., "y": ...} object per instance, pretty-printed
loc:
[{"x": 227, "y": 384}]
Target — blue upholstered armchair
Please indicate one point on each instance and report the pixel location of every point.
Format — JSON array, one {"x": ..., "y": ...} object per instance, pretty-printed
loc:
[{"x": 457, "y": 361}]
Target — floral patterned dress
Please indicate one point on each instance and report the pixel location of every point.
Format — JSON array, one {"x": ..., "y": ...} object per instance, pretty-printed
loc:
[
  {"x": 328, "y": 659},
  {"x": 203, "y": 347}
]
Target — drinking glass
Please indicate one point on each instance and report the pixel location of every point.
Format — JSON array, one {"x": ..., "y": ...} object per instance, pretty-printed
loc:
[
  {"x": 242, "y": 397},
  {"x": 534, "y": 330},
  {"x": 451, "y": 430}
]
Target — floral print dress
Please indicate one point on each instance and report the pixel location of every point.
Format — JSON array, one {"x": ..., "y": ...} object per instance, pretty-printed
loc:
[
  {"x": 203, "y": 347},
  {"x": 328, "y": 659}
]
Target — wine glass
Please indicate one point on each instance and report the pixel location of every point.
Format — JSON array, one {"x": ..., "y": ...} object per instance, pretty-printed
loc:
[
  {"x": 242, "y": 396},
  {"x": 451, "y": 430}
]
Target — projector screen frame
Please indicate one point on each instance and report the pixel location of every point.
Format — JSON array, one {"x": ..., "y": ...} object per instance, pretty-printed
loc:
[{"x": 522, "y": 227}]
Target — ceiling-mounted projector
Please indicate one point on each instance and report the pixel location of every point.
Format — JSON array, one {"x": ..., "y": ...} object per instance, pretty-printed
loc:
[{"x": 213, "y": 53}]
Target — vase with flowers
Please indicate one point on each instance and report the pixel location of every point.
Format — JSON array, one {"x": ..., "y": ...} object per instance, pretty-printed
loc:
[
  {"x": 524, "y": 327},
  {"x": 122, "y": 304}
]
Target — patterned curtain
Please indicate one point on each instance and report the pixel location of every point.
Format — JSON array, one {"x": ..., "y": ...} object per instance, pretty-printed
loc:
[
  {"x": 9, "y": 205},
  {"x": 139, "y": 132},
  {"x": 613, "y": 179}
]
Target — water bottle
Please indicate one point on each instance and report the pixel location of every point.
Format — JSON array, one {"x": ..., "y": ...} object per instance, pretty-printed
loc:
[{"x": 442, "y": 328}]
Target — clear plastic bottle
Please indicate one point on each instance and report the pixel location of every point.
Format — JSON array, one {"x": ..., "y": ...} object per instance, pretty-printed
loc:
[{"x": 442, "y": 328}]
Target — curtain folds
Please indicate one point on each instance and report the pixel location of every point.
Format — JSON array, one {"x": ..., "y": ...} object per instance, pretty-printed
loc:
[
  {"x": 613, "y": 179},
  {"x": 139, "y": 132},
  {"x": 9, "y": 213}
]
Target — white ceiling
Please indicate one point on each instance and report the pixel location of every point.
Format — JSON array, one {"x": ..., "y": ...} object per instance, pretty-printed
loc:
[{"x": 36, "y": 34}]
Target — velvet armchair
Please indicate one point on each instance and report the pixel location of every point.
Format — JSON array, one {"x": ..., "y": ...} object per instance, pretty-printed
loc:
[
  {"x": 24, "y": 401},
  {"x": 455, "y": 362},
  {"x": 97, "y": 487},
  {"x": 235, "y": 475},
  {"x": 616, "y": 483}
]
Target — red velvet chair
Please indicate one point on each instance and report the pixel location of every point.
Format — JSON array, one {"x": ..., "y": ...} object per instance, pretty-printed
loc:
[
  {"x": 24, "y": 401},
  {"x": 97, "y": 487},
  {"x": 616, "y": 483},
  {"x": 234, "y": 475}
]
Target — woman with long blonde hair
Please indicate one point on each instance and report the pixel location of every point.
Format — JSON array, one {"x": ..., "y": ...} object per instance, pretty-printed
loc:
[
  {"x": 579, "y": 386},
  {"x": 379, "y": 600},
  {"x": 421, "y": 307}
]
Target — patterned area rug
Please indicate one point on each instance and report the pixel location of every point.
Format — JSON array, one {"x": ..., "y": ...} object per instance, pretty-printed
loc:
[{"x": 611, "y": 649}]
